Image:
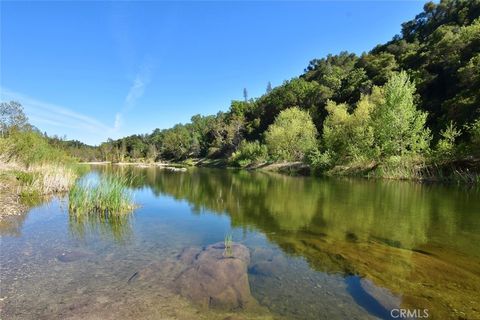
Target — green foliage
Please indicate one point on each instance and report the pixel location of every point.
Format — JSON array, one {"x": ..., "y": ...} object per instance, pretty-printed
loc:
[
  {"x": 379, "y": 67},
  {"x": 26, "y": 177},
  {"x": 474, "y": 130},
  {"x": 384, "y": 128},
  {"x": 76, "y": 149},
  {"x": 399, "y": 128},
  {"x": 399, "y": 167},
  {"x": 306, "y": 95},
  {"x": 30, "y": 147},
  {"x": 446, "y": 147},
  {"x": 321, "y": 161},
  {"x": 291, "y": 136},
  {"x": 350, "y": 136},
  {"x": 177, "y": 142},
  {"x": 109, "y": 196},
  {"x": 249, "y": 153},
  {"x": 383, "y": 124},
  {"x": 12, "y": 118},
  {"x": 20, "y": 142},
  {"x": 228, "y": 243}
]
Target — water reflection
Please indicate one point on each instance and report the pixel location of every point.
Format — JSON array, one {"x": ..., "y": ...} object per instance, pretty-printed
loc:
[
  {"x": 117, "y": 227},
  {"x": 402, "y": 236},
  {"x": 12, "y": 225},
  {"x": 399, "y": 214}
]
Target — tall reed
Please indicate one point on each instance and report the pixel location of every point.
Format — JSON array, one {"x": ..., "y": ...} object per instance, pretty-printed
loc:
[{"x": 109, "y": 196}]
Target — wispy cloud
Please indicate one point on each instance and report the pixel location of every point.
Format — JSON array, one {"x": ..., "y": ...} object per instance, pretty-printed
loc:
[
  {"x": 118, "y": 122},
  {"x": 137, "y": 89},
  {"x": 40, "y": 112},
  {"x": 135, "y": 92}
]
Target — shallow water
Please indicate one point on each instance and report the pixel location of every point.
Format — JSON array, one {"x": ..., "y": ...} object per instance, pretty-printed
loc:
[{"x": 319, "y": 248}]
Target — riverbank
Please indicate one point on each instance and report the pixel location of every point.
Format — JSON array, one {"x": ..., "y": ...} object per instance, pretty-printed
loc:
[
  {"x": 457, "y": 171},
  {"x": 22, "y": 187},
  {"x": 10, "y": 201}
]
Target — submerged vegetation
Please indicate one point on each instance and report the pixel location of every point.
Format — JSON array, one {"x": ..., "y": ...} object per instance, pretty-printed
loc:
[
  {"x": 116, "y": 225},
  {"x": 109, "y": 195}
]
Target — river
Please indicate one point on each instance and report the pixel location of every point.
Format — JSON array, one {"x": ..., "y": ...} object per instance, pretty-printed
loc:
[{"x": 319, "y": 249}]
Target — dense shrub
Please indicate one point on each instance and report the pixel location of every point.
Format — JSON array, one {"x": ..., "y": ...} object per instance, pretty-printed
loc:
[
  {"x": 291, "y": 136},
  {"x": 249, "y": 153},
  {"x": 30, "y": 147},
  {"x": 474, "y": 130},
  {"x": 446, "y": 146}
]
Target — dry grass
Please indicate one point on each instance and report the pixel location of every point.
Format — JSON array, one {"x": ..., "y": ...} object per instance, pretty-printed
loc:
[
  {"x": 45, "y": 179},
  {"x": 10, "y": 202},
  {"x": 52, "y": 178},
  {"x": 21, "y": 187}
]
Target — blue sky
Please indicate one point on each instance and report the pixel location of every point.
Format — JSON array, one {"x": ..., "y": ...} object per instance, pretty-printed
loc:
[{"x": 93, "y": 70}]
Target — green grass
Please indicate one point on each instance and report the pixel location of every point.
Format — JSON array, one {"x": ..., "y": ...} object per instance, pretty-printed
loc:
[
  {"x": 109, "y": 196},
  {"x": 228, "y": 242}
]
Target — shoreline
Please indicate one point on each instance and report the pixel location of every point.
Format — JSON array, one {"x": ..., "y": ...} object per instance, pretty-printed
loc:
[
  {"x": 465, "y": 171},
  {"x": 10, "y": 200},
  {"x": 22, "y": 187}
]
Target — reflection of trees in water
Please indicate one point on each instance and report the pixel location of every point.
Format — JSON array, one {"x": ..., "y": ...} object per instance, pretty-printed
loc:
[
  {"x": 399, "y": 214},
  {"x": 351, "y": 226},
  {"x": 400, "y": 235}
]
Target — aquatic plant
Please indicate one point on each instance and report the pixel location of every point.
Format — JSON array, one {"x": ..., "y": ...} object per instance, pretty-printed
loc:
[
  {"x": 116, "y": 226},
  {"x": 109, "y": 196},
  {"x": 228, "y": 242}
]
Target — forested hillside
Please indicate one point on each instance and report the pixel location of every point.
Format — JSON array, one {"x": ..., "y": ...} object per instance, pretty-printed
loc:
[{"x": 412, "y": 101}]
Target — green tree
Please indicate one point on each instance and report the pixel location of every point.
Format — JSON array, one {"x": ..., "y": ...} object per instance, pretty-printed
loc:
[
  {"x": 12, "y": 117},
  {"x": 177, "y": 142},
  {"x": 399, "y": 128},
  {"x": 292, "y": 135},
  {"x": 474, "y": 130},
  {"x": 350, "y": 136},
  {"x": 446, "y": 146},
  {"x": 152, "y": 152},
  {"x": 248, "y": 153}
]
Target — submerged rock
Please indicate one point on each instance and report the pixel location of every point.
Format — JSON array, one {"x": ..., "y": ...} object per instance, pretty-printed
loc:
[
  {"x": 267, "y": 263},
  {"x": 215, "y": 278}
]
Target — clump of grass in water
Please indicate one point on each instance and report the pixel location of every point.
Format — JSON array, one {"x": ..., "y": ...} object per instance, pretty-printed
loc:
[
  {"x": 228, "y": 242},
  {"x": 109, "y": 196}
]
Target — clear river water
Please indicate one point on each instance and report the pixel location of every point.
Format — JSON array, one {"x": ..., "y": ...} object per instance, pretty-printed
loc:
[{"x": 319, "y": 249}]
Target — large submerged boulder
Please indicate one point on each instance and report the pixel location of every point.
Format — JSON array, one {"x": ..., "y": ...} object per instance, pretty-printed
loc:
[{"x": 215, "y": 277}]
